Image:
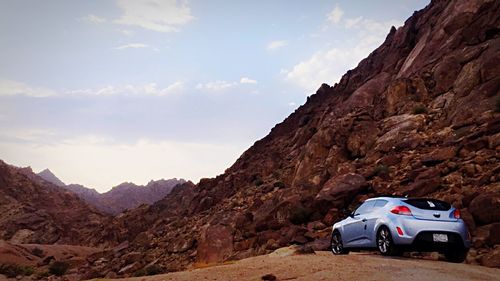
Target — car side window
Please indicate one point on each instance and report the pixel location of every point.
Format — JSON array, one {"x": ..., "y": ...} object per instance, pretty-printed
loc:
[
  {"x": 380, "y": 203},
  {"x": 364, "y": 208}
]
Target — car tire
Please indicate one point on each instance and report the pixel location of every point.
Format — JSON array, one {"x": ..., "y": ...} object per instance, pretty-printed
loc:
[
  {"x": 336, "y": 244},
  {"x": 385, "y": 244},
  {"x": 456, "y": 255}
]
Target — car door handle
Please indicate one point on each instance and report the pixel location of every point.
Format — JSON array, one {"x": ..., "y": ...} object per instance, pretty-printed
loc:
[{"x": 363, "y": 220}]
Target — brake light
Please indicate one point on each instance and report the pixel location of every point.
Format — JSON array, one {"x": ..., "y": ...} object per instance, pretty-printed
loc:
[
  {"x": 401, "y": 210},
  {"x": 456, "y": 214}
]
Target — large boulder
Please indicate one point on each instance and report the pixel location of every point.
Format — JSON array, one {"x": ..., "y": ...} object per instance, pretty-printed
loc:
[
  {"x": 485, "y": 208},
  {"x": 426, "y": 182},
  {"x": 215, "y": 244},
  {"x": 342, "y": 189},
  {"x": 399, "y": 129}
]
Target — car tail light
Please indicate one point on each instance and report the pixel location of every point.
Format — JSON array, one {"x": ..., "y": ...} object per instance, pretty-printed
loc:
[
  {"x": 456, "y": 214},
  {"x": 401, "y": 210}
]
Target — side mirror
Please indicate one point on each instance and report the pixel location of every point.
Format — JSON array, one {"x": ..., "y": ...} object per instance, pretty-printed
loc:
[{"x": 347, "y": 213}]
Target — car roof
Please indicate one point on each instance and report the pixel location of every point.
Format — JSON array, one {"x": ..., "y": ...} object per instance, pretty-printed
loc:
[{"x": 386, "y": 198}]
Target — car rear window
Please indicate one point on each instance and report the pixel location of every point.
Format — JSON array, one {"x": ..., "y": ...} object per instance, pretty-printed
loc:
[{"x": 428, "y": 204}]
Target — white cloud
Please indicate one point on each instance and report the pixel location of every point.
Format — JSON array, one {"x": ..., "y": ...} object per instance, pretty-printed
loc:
[
  {"x": 156, "y": 15},
  {"x": 274, "y": 45},
  {"x": 131, "y": 46},
  {"x": 126, "y": 32},
  {"x": 349, "y": 23},
  {"x": 11, "y": 88},
  {"x": 328, "y": 66},
  {"x": 93, "y": 19},
  {"x": 216, "y": 86},
  {"x": 335, "y": 15},
  {"x": 150, "y": 89},
  {"x": 246, "y": 80}
]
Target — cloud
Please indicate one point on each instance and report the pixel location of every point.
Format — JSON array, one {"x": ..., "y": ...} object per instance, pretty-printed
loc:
[
  {"x": 93, "y": 19},
  {"x": 246, "y": 80},
  {"x": 335, "y": 15},
  {"x": 150, "y": 89},
  {"x": 328, "y": 66},
  {"x": 274, "y": 45},
  {"x": 131, "y": 46},
  {"x": 216, "y": 86},
  {"x": 11, "y": 88},
  {"x": 156, "y": 15},
  {"x": 126, "y": 32},
  {"x": 349, "y": 23}
]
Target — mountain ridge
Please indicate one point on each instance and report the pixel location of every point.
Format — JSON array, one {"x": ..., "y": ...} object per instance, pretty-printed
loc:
[{"x": 126, "y": 195}]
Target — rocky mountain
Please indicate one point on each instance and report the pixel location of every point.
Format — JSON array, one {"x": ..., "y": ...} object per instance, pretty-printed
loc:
[
  {"x": 50, "y": 177},
  {"x": 129, "y": 195},
  {"x": 418, "y": 116},
  {"x": 119, "y": 198},
  {"x": 33, "y": 210}
]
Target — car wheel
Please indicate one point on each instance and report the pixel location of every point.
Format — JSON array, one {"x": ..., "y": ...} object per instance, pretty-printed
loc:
[
  {"x": 456, "y": 255},
  {"x": 336, "y": 244},
  {"x": 385, "y": 244}
]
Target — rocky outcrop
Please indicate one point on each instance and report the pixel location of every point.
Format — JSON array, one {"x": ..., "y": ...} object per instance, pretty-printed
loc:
[{"x": 35, "y": 211}]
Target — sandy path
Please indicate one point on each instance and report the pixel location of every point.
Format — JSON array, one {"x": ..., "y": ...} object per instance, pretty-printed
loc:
[{"x": 325, "y": 266}]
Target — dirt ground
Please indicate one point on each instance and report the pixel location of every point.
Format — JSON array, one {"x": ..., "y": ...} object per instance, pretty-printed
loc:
[
  {"x": 23, "y": 254},
  {"x": 325, "y": 266}
]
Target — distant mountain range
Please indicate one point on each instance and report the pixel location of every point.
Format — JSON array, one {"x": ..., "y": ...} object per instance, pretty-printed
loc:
[{"x": 121, "y": 197}]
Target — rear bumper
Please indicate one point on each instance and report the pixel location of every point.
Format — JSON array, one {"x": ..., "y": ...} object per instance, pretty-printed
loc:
[{"x": 419, "y": 233}]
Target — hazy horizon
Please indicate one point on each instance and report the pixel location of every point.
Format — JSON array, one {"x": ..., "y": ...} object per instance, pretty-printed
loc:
[{"x": 106, "y": 92}]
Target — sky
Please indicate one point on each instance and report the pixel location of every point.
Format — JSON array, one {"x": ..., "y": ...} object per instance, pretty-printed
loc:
[{"x": 107, "y": 91}]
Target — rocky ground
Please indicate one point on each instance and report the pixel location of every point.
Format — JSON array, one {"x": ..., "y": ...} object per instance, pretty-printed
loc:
[
  {"x": 33, "y": 261},
  {"x": 324, "y": 266}
]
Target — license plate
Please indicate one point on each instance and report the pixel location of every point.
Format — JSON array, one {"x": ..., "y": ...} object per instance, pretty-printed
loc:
[{"x": 440, "y": 237}]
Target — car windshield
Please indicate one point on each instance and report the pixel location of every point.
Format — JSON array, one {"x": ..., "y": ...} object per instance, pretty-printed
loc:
[{"x": 428, "y": 204}]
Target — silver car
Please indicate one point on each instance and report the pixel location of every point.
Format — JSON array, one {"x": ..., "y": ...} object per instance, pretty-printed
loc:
[{"x": 394, "y": 225}]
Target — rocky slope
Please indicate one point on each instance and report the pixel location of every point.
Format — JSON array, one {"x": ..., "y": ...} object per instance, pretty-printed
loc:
[
  {"x": 33, "y": 210},
  {"x": 417, "y": 116},
  {"x": 119, "y": 198}
]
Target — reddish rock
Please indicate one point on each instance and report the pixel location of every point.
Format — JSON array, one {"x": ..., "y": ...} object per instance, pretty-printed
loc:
[
  {"x": 485, "y": 208},
  {"x": 215, "y": 244},
  {"x": 438, "y": 156},
  {"x": 341, "y": 189}
]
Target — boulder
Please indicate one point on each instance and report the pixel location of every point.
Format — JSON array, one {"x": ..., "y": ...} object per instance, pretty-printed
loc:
[
  {"x": 485, "y": 208},
  {"x": 439, "y": 155},
  {"x": 492, "y": 259},
  {"x": 215, "y": 244},
  {"x": 180, "y": 244},
  {"x": 342, "y": 189},
  {"x": 426, "y": 182}
]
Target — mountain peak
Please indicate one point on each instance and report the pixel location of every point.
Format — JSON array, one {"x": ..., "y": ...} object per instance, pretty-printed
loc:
[{"x": 51, "y": 177}]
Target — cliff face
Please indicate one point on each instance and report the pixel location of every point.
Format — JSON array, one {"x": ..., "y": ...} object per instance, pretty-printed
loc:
[{"x": 35, "y": 211}]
